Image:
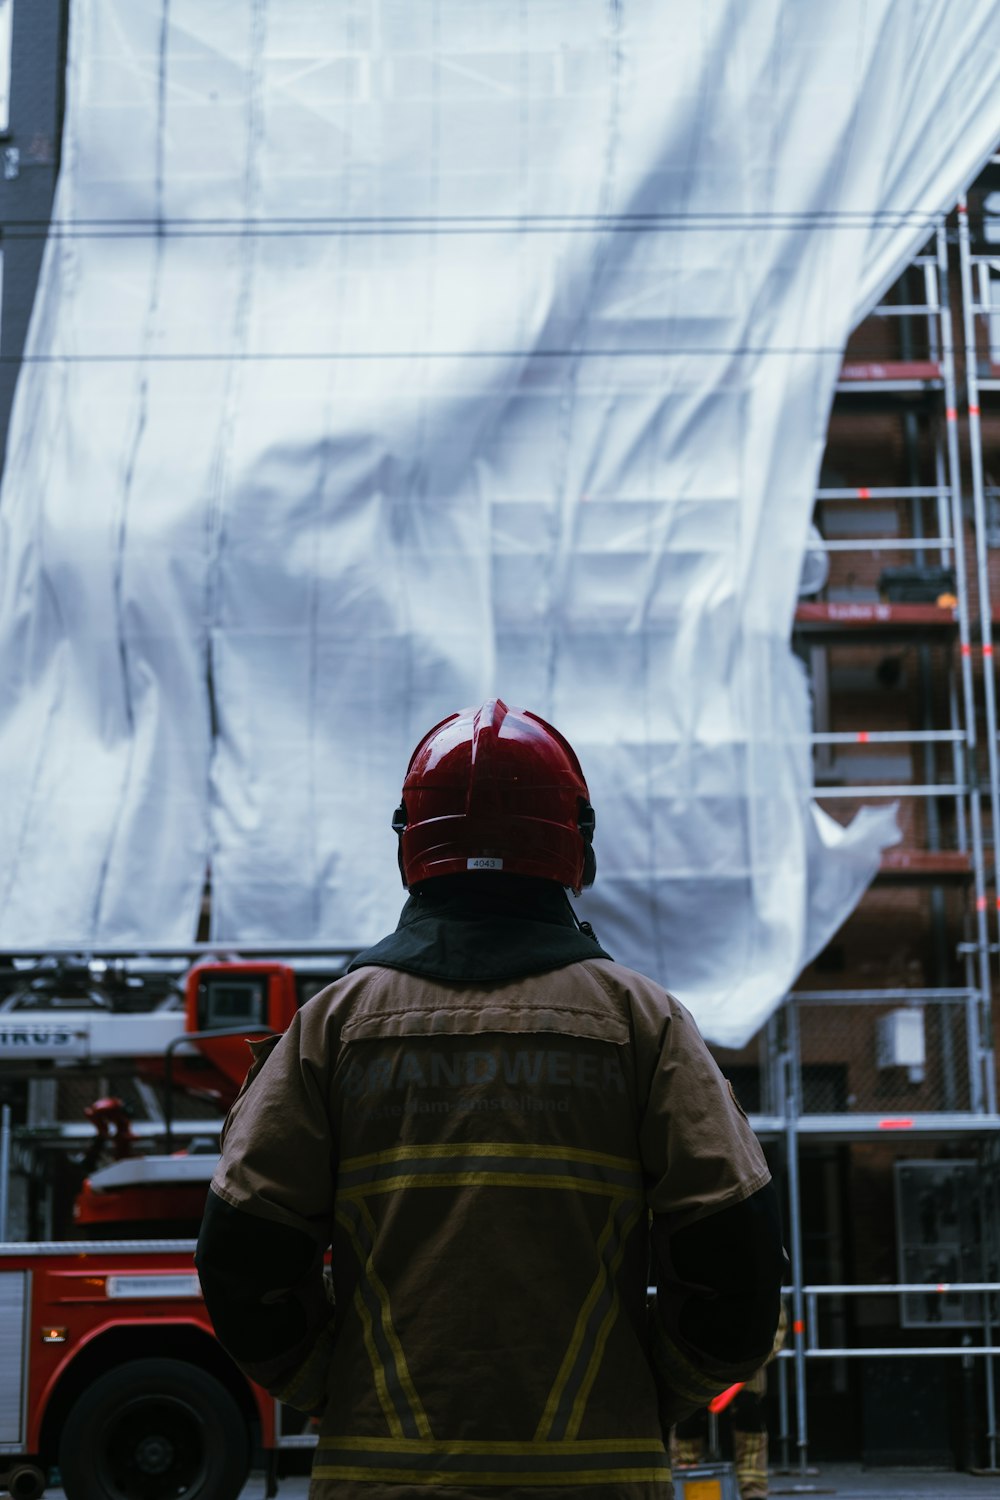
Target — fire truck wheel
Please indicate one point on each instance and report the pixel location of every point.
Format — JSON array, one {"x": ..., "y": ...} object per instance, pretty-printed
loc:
[{"x": 153, "y": 1429}]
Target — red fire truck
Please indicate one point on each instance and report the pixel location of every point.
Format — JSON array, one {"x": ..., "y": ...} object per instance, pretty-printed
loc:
[{"x": 109, "y": 1370}]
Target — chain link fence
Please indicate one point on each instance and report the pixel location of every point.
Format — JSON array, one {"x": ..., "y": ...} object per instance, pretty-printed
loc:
[{"x": 899, "y": 1055}]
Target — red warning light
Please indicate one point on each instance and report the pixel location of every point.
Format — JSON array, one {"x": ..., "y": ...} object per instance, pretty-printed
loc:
[{"x": 895, "y": 1124}]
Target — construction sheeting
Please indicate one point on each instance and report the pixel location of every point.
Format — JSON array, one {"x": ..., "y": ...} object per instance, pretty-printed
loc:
[{"x": 394, "y": 354}]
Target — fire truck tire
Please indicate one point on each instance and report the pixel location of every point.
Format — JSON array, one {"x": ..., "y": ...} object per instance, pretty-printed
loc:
[{"x": 153, "y": 1429}]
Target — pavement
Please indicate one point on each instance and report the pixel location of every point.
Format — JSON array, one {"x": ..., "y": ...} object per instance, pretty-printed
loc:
[
  {"x": 845, "y": 1481},
  {"x": 852, "y": 1482}
]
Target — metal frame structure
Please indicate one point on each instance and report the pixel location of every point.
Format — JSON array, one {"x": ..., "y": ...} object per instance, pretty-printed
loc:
[
  {"x": 808, "y": 1347},
  {"x": 974, "y": 778}
]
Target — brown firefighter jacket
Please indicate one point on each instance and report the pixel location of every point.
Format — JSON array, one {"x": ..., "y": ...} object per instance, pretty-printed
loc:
[{"x": 490, "y": 1162}]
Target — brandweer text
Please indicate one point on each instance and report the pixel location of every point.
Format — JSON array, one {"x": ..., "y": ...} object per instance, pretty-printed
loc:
[{"x": 519, "y": 1068}]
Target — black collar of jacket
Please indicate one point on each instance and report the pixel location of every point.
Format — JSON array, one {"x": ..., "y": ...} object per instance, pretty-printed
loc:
[{"x": 500, "y": 928}]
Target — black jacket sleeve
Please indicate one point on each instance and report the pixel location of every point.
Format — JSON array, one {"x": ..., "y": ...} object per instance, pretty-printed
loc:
[
  {"x": 268, "y": 1299},
  {"x": 718, "y": 1300}
]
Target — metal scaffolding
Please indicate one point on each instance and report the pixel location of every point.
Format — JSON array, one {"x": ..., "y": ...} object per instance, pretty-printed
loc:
[{"x": 910, "y": 1062}]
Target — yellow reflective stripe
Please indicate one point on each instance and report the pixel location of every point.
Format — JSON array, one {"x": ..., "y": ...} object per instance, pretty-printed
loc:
[
  {"x": 361, "y": 1308},
  {"x": 494, "y": 1447},
  {"x": 561, "y": 1462},
  {"x": 483, "y": 1179},
  {"x": 590, "y": 1374},
  {"x": 488, "y": 1164},
  {"x": 494, "y": 1164},
  {"x": 576, "y": 1340},
  {"x": 681, "y": 1375},
  {"x": 382, "y": 1390},
  {"x": 309, "y": 1379},
  {"x": 475, "y": 1477},
  {"x": 489, "y": 1148},
  {"x": 392, "y": 1338},
  {"x": 606, "y": 1273}
]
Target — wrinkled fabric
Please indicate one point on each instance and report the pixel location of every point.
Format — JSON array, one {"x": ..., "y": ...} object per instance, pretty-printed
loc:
[{"x": 388, "y": 356}]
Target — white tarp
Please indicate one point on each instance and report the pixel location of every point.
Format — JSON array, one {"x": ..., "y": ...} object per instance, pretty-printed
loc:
[{"x": 392, "y": 354}]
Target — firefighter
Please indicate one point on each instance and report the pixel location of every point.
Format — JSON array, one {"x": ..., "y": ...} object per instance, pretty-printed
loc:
[{"x": 496, "y": 1130}]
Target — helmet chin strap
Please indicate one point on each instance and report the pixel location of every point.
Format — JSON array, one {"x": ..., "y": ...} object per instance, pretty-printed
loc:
[
  {"x": 399, "y": 828},
  {"x": 585, "y": 927}
]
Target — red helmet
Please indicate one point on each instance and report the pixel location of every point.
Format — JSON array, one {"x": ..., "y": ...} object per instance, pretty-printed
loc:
[{"x": 495, "y": 788}]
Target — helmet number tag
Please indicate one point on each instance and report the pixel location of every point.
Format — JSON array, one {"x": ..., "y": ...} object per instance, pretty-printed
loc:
[{"x": 484, "y": 863}]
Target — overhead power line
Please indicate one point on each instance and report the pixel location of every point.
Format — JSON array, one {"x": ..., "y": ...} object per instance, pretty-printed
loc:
[
  {"x": 667, "y": 351},
  {"x": 321, "y": 226}
]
